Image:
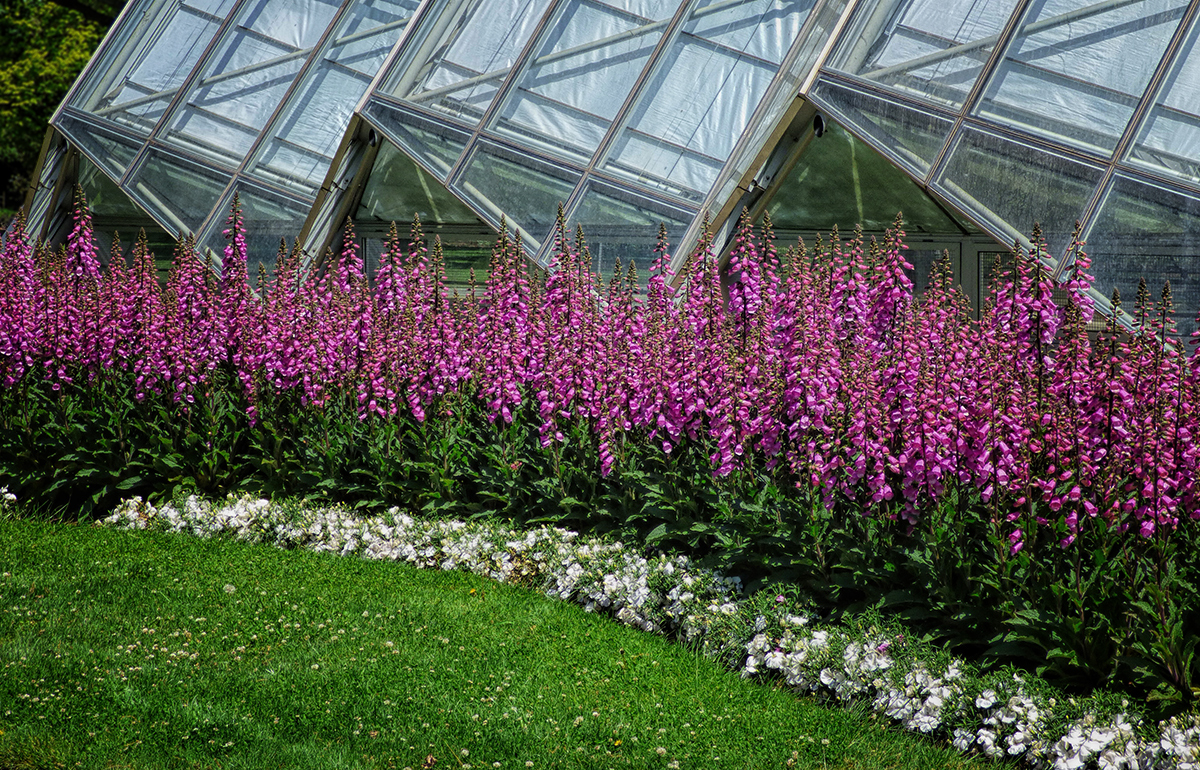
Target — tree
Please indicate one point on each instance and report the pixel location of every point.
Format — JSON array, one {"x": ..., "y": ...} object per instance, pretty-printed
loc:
[{"x": 42, "y": 51}]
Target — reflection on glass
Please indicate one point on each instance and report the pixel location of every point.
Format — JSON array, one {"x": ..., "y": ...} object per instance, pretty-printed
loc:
[
  {"x": 913, "y": 138},
  {"x": 620, "y": 226},
  {"x": 1170, "y": 138},
  {"x": 114, "y": 153},
  {"x": 435, "y": 146},
  {"x": 1077, "y": 68},
  {"x": 584, "y": 68},
  {"x": 524, "y": 192},
  {"x": 840, "y": 181},
  {"x": 926, "y": 48},
  {"x": 247, "y": 77},
  {"x": 398, "y": 189},
  {"x": 702, "y": 94},
  {"x": 147, "y": 61},
  {"x": 1149, "y": 231},
  {"x": 268, "y": 218},
  {"x": 466, "y": 51},
  {"x": 1013, "y": 186},
  {"x": 179, "y": 194},
  {"x": 304, "y": 138}
]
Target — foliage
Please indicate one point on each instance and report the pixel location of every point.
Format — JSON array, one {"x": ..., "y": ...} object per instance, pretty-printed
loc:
[
  {"x": 42, "y": 50},
  {"x": 1008, "y": 486}
]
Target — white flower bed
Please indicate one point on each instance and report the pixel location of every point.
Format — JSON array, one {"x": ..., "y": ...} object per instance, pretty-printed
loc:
[{"x": 997, "y": 715}]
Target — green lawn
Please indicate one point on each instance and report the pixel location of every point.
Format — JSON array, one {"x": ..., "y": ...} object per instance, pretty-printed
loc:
[{"x": 144, "y": 650}]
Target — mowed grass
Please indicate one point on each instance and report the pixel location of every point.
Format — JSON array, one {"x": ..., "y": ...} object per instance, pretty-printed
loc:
[{"x": 144, "y": 650}]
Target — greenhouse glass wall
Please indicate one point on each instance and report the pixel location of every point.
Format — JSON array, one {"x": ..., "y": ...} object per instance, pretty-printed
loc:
[{"x": 976, "y": 118}]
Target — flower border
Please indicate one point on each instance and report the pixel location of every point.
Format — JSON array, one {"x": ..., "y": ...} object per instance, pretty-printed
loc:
[{"x": 997, "y": 714}]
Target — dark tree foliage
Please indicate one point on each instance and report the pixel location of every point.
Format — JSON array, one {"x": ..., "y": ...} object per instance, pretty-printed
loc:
[{"x": 43, "y": 47}]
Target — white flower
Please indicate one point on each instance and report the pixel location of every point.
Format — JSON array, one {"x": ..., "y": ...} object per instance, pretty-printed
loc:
[
  {"x": 986, "y": 699},
  {"x": 1020, "y": 741},
  {"x": 987, "y": 742},
  {"x": 230, "y": 588}
]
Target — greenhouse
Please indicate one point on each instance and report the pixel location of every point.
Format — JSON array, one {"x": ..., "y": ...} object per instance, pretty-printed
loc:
[{"x": 976, "y": 119}]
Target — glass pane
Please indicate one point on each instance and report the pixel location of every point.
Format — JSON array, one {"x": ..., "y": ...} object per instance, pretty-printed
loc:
[
  {"x": 115, "y": 215},
  {"x": 1012, "y": 186},
  {"x": 702, "y": 94},
  {"x": 114, "y": 153},
  {"x": 926, "y": 48},
  {"x": 463, "y": 249},
  {"x": 802, "y": 58},
  {"x": 247, "y": 78},
  {"x": 148, "y": 59},
  {"x": 524, "y": 191},
  {"x": 268, "y": 219},
  {"x": 104, "y": 197},
  {"x": 1170, "y": 139},
  {"x": 466, "y": 50},
  {"x": 619, "y": 225},
  {"x": 1077, "y": 68},
  {"x": 435, "y": 146},
  {"x": 913, "y": 138},
  {"x": 988, "y": 262},
  {"x": 398, "y": 189},
  {"x": 43, "y": 192},
  {"x": 179, "y": 194},
  {"x": 922, "y": 261},
  {"x": 840, "y": 181},
  {"x": 585, "y": 66},
  {"x": 1149, "y": 231},
  {"x": 306, "y": 135}
]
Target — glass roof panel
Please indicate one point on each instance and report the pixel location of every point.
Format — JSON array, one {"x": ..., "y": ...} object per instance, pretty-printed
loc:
[
  {"x": 584, "y": 67},
  {"x": 1169, "y": 141},
  {"x": 1013, "y": 186},
  {"x": 177, "y": 192},
  {"x": 840, "y": 181},
  {"x": 931, "y": 49},
  {"x": 435, "y": 146},
  {"x": 303, "y": 139},
  {"x": 111, "y": 150},
  {"x": 398, "y": 189},
  {"x": 619, "y": 225},
  {"x": 139, "y": 72},
  {"x": 1077, "y": 68},
  {"x": 525, "y": 192},
  {"x": 701, "y": 97},
  {"x": 247, "y": 77},
  {"x": 1148, "y": 230},
  {"x": 463, "y": 54},
  {"x": 913, "y": 138}
]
